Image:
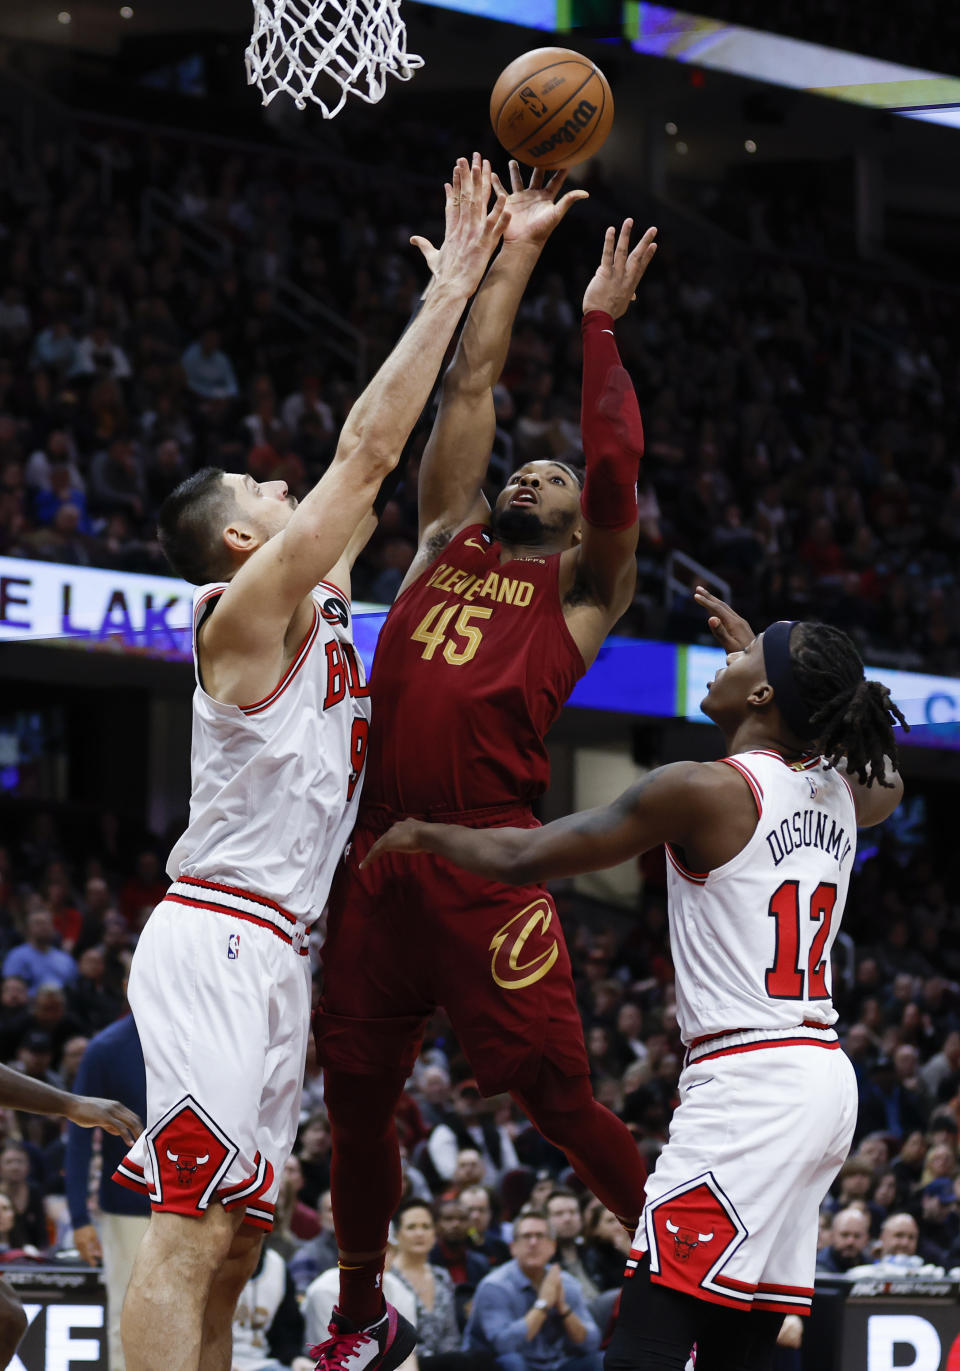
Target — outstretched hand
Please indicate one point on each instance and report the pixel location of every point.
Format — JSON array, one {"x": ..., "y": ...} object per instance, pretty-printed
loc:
[
  {"x": 470, "y": 233},
  {"x": 730, "y": 629},
  {"x": 89, "y": 1112},
  {"x": 404, "y": 836},
  {"x": 535, "y": 210},
  {"x": 620, "y": 271}
]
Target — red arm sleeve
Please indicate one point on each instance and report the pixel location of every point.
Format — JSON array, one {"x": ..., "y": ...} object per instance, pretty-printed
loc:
[{"x": 611, "y": 428}]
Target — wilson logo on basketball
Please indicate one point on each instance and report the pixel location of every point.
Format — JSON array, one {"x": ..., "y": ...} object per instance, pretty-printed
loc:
[
  {"x": 509, "y": 943},
  {"x": 567, "y": 132}
]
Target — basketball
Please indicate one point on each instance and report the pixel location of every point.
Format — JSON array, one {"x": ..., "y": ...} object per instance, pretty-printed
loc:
[{"x": 551, "y": 108}]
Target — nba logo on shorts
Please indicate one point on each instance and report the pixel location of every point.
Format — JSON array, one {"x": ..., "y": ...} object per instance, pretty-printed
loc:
[
  {"x": 233, "y": 947},
  {"x": 297, "y": 939}
]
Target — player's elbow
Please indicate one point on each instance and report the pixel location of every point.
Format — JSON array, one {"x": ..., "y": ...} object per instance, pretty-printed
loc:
[
  {"x": 464, "y": 379},
  {"x": 372, "y": 452}
]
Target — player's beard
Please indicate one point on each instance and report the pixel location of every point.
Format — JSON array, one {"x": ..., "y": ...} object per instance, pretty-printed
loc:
[{"x": 522, "y": 527}]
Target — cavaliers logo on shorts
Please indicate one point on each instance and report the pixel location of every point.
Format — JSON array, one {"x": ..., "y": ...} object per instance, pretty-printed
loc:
[{"x": 526, "y": 935}]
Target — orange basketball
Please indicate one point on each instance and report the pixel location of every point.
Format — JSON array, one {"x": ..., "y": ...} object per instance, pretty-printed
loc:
[{"x": 551, "y": 108}]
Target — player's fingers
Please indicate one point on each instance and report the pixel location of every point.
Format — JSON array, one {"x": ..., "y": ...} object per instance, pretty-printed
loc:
[
  {"x": 571, "y": 197},
  {"x": 609, "y": 238},
  {"x": 716, "y": 627},
  {"x": 426, "y": 247},
  {"x": 497, "y": 208},
  {"x": 128, "y": 1126},
  {"x": 372, "y": 855},
  {"x": 476, "y": 180},
  {"x": 622, "y": 251},
  {"x": 452, "y": 205},
  {"x": 448, "y": 194},
  {"x": 516, "y": 180},
  {"x": 637, "y": 268},
  {"x": 643, "y": 254},
  {"x": 502, "y": 222},
  {"x": 497, "y": 184},
  {"x": 486, "y": 181},
  {"x": 391, "y": 841},
  {"x": 536, "y": 179},
  {"x": 461, "y": 185},
  {"x": 709, "y": 600},
  {"x": 556, "y": 181}
]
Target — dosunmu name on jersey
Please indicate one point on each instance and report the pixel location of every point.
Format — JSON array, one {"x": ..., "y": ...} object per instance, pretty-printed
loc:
[{"x": 809, "y": 828}]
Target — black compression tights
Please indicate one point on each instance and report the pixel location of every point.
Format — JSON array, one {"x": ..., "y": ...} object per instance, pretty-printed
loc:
[{"x": 657, "y": 1327}]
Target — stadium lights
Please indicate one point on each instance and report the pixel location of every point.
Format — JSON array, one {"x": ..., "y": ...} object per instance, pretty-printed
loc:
[
  {"x": 750, "y": 145},
  {"x": 64, "y": 17},
  {"x": 126, "y": 12},
  {"x": 681, "y": 148},
  {"x": 671, "y": 128}
]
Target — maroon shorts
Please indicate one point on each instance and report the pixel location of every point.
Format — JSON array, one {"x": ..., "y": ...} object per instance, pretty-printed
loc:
[{"x": 411, "y": 934}]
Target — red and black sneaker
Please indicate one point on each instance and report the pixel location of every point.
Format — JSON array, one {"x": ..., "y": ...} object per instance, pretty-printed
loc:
[{"x": 381, "y": 1346}]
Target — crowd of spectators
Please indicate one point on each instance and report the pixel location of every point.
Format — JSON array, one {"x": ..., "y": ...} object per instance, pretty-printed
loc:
[
  {"x": 69, "y": 921},
  {"x": 799, "y": 439},
  {"x": 798, "y": 442}
]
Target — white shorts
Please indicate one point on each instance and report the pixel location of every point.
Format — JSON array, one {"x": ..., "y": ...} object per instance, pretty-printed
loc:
[
  {"x": 764, "y": 1124},
  {"x": 220, "y": 991}
]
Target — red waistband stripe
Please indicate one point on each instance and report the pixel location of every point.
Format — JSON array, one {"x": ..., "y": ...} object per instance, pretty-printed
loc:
[
  {"x": 238, "y": 904},
  {"x": 729, "y": 1032},
  {"x": 725, "y": 1044}
]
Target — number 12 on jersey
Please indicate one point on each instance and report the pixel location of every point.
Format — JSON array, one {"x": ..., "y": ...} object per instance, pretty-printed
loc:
[{"x": 787, "y": 979}]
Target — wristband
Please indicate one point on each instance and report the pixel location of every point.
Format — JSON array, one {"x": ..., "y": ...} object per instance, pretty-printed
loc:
[{"x": 541, "y": 1305}]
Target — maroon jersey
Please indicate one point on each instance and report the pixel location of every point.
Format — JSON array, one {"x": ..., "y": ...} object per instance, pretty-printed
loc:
[{"x": 473, "y": 665}]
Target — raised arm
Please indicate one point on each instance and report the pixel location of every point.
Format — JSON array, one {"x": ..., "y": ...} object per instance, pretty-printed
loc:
[
  {"x": 455, "y": 461},
  {"x": 668, "y": 805},
  {"x": 605, "y": 562},
  {"x": 262, "y": 597}
]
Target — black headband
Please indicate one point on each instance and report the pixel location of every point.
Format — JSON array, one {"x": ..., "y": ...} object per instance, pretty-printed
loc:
[{"x": 779, "y": 667}]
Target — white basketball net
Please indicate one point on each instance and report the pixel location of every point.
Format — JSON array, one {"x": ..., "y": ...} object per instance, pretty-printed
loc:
[{"x": 356, "y": 43}]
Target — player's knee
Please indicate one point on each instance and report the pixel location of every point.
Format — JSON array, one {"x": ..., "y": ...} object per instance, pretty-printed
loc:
[
  {"x": 239, "y": 1265},
  {"x": 361, "y": 1107},
  {"x": 195, "y": 1247}
]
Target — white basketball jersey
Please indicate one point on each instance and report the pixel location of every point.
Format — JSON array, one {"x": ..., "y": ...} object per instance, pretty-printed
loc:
[
  {"x": 275, "y": 784},
  {"x": 751, "y": 940}
]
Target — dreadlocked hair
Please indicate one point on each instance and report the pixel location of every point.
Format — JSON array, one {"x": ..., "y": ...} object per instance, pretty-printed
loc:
[{"x": 853, "y": 717}]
